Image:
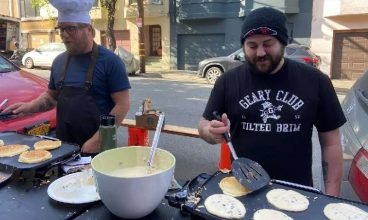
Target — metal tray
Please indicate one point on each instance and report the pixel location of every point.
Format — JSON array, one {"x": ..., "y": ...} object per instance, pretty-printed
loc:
[
  {"x": 64, "y": 151},
  {"x": 254, "y": 201}
]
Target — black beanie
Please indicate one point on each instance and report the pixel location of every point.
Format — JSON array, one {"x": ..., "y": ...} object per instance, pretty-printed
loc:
[{"x": 265, "y": 21}]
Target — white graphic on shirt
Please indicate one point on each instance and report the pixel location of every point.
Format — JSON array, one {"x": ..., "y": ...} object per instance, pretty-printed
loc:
[
  {"x": 269, "y": 111},
  {"x": 271, "y": 104}
]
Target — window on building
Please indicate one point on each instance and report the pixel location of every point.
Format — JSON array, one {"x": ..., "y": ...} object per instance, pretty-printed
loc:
[{"x": 26, "y": 9}]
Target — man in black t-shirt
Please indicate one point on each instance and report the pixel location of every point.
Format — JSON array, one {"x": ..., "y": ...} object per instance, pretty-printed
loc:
[{"x": 273, "y": 103}]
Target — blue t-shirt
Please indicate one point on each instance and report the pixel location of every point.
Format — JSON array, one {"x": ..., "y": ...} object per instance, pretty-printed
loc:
[{"x": 109, "y": 75}]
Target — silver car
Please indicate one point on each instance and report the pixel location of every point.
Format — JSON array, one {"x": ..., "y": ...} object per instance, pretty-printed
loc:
[
  {"x": 212, "y": 68},
  {"x": 354, "y": 136},
  {"x": 43, "y": 56}
]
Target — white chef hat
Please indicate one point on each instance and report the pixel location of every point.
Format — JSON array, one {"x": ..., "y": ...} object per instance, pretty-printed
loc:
[{"x": 73, "y": 10}]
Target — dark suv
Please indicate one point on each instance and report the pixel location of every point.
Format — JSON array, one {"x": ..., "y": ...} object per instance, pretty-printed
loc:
[{"x": 212, "y": 68}]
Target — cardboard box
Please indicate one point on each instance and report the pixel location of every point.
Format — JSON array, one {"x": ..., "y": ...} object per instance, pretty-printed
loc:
[{"x": 147, "y": 121}]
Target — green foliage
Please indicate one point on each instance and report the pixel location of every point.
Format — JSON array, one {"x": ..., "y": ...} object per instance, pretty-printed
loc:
[{"x": 39, "y": 3}]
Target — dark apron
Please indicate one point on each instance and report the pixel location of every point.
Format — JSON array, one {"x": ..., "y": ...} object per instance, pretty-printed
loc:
[{"x": 77, "y": 111}]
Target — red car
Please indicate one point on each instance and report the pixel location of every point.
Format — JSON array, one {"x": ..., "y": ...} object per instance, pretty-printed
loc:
[{"x": 17, "y": 85}]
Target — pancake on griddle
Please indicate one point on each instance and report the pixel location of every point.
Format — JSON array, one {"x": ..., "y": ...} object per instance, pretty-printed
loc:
[
  {"x": 46, "y": 145},
  {"x": 34, "y": 156},
  {"x": 12, "y": 150},
  {"x": 232, "y": 187}
]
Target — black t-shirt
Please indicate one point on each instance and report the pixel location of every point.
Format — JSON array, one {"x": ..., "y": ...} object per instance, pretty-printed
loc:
[{"x": 272, "y": 116}]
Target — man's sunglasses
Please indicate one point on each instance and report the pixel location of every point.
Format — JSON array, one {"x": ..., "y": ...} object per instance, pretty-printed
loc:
[{"x": 71, "y": 30}]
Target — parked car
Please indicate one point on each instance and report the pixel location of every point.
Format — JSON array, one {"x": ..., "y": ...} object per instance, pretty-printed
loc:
[
  {"x": 17, "y": 85},
  {"x": 130, "y": 62},
  {"x": 212, "y": 68},
  {"x": 354, "y": 136},
  {"x": 43, "y": 56}
]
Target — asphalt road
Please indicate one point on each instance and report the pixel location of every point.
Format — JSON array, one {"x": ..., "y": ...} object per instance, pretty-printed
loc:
[{"x": 182, "y": 97}]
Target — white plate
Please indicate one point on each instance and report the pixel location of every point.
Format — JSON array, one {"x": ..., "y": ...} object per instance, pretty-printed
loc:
[{"x": 75, "y": 188}]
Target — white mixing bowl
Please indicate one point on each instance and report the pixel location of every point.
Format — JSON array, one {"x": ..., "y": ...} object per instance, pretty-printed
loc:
[{"x": 132, "y": 197}]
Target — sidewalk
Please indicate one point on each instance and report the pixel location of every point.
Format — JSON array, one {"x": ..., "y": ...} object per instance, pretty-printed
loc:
[{"x": 341, "y": 86}]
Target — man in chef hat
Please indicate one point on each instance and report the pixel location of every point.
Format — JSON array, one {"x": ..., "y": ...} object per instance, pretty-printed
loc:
[{"x": 86, "y": 81}]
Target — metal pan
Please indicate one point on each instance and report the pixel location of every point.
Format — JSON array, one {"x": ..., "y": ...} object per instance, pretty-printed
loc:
[
  {"x": 66, "y": 150},
  {"x": 248, "y": 172},
  {"x": 5, "y": 174}
]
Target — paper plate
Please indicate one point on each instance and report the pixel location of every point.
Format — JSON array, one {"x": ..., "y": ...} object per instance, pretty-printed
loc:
[{"x": 75, "y": 188}]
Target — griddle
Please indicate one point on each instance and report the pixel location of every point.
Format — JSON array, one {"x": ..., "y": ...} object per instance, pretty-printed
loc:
[
  {"x": 64, "y": 151},
  {"x": 205, "y": 185}
]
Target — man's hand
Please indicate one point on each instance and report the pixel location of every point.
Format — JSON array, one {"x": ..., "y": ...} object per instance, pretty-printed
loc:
[
  {"x": 92, "y": 145},
  {"x": 212, "y": 131},
  {"x": 20, "y": 108}
]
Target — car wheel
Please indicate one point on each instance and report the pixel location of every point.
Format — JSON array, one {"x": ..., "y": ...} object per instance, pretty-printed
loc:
[
  {"x": 213, "y": 73},
  {"x": 29, "y": 63}
]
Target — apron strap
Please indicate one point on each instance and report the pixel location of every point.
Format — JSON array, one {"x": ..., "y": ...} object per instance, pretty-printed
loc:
[{"x": 91, "y": 67}]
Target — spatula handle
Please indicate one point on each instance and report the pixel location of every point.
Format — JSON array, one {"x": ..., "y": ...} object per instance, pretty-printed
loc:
[
  {"x": 218, "y": 118},
  {"x": 226, "y": 137}
]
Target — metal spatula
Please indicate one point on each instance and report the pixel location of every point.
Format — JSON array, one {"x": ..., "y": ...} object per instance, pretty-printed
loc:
[{"x": 248, "y": 172}]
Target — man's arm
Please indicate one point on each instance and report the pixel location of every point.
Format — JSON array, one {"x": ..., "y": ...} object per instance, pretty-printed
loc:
[
  {"x": 44, "y": 102},
  {"x": 212, "y": 131},
  {"x": 121, "y": 108},
  {"x": 331, "y": 160}
]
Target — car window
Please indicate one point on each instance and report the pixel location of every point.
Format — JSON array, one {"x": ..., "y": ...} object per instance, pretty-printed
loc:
[
  {"x": 362, "y": 88},
  {"x": 5, "y": 66},
  {"x": 289, "y": 51},
  {"x": 45, "y": 47}
]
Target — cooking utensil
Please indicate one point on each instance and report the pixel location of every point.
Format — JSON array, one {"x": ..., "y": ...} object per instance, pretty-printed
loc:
[
  {"x": 6, "y": 115},
  {"x": 156, "y": 138},
  {"x": 248, "y": 172},
  {"x": 145, "y": 191}
]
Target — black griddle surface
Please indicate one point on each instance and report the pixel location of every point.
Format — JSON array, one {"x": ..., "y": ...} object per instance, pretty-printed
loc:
[
  {"x": 64, "y": 151},
  {"x": 257, "y": 200}
]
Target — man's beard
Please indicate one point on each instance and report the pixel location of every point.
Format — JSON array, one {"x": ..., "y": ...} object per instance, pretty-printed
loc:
[{"x": 272, "y": 62}]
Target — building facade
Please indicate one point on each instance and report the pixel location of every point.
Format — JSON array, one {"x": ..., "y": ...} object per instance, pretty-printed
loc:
[
  {"x": 208, "y": 28},
  {"x": 9, "y": 24},
  {"x": 340, "y": 37},
  {"x": 37, "y": 25}
]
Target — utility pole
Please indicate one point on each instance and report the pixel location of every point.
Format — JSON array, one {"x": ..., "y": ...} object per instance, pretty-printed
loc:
[{"x": 140, "y": 24}]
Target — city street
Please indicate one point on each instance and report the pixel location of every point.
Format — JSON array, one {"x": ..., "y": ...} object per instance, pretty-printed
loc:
[{"x": 182, "y": 97}]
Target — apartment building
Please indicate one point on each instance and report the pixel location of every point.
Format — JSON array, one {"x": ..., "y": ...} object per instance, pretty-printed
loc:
[
  {"x": 340, "y": 37},
  {"x": 9, "y": 24},
  {"x": 209, "y": 28},
  {"x": 37, "y": 28}
]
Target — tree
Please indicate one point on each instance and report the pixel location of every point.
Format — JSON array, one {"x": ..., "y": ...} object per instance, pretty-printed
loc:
[
  {"x": 110, "y": 6},
  {"x": 142, "y": 49}
]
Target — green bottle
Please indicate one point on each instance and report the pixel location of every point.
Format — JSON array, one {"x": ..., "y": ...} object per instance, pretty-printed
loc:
[{"x": 107, "y": 132}]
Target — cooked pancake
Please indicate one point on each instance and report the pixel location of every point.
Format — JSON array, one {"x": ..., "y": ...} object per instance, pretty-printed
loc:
[
  {"x": 2, "y": 143},
  {"x": 288, "y": 200},
  {"x": 46, "y": 145},
  {"x": 12, "y": 150},
  {"x": 225, "y": 206},
  {"x": 34, "y": 156},
  {"x": 231, "y": 186},
  {"x": 344, "y": 211}
]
